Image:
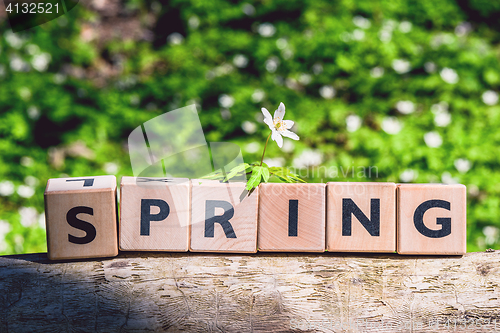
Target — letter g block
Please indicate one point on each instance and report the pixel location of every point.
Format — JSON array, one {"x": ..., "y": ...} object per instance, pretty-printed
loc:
[
  {"x": 81, "y": 217},
  {"x": 431, "y": 219}
]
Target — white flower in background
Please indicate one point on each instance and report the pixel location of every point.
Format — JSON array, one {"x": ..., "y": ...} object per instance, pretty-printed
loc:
[
  {"x": 442, "y": 119},
  {"x": 40, "y": 62},
  {"x": 111, "y": 168},
  {"x": 361, "y": 22},
  {"x": 430, "y": 67},
  {"x": 358, "y": 34},
  {"x": 385, "y": 36},
  {"x": 317, "y": 68},
  {"x": 305, "y": 79},
  {"x": 31, "y": 181},
  {"x": 491, "y": 234},
  {"x": 288, "y": 146},
  {"x": 194, "y": 22},
  {"x": 490, "y": 97},
  {"x": 29, "y": 216},
  {"x": 33, "y": 112},
  {"x": 408, "y": 175},
  {"x": 272, "y": 64},
  {"x": 391, "y": 125},
  {"x": 462, "y": 165},
  {"x": 278, "y": 126},
  {"x": 353, "y": 122},
  {"x": 275, "y": 162},
  {"x": 13, "y": 40},
  {"x": 327, "y": 92},
  {"x": 252, "y": 147},
  {"x": 401, "y": 66},
  {"x": 258, "y": 95},
  {"x": 446, "y": 178},
  {"x": 249, "y": 127},
  {"x": 463, "y": 29},
  {"x": 4, "y": 229},
  {"x": 25, "y": 93},
  {"x": 32, "y": 49},
  {"x": 439, "y": 107},
  {"x": 27, "y": 161},
  {"x": 41, "y": 217},
  {"x": 266, "y": 30},
  {"x": 433, "y": 139},
  {"x": 59, "y": 78},
  {"x": 248, "y": 9},
  {"x": 281, "y": 43},
  {"x": 287, "y": 54},
  {"x": 17, "y": 64},
  {"x": 25, "y": 191},
  {"x": 225, "y": 114},
  {"x": 405, "y": 107},
  {"x": 240, "y": 61},
  {"x": 175, "y": 38},
  {"x": 405, "y": 27},
  {"x": 6, "y": 188},
  {"x": 449, "y": 75},
  {"x": 377, "y": 72},
  {"x": 308, "y": 158},
  {"x": 226, "y": 101}
]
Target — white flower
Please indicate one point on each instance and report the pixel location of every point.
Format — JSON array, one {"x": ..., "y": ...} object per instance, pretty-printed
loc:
[
  {"x": 491, "y": 234},
  {"x": 433, "y": 139},
  {"x": 33, "y": 112},
  {"x": 240, "y": 61},
  {"x": 29, "y": 216},
  {"x": 405, "y": 107},
  {"x": 462, "y": 165},
  {"x": 439, "y": 107},
  {"x": 249, "y": 127},
  {"x": 31, "y": 181},
  {"x": 266, "y": 29},
  {"x": 4, "y": 229},
  {"x": 252, "y": 147},
  {"x": 327, "y": 92},
  {"x": 430, "y": 67},
  {"x": 111, "y": 168},
  {"x": 288, "y": 146},
  {"x": 449, "y": 75},
  {"x": 408, "y": 175},
  {"x": 226, "y": 101},
  {"x": 194, "y": 22},
  {"x": 281, "y": 43},
  {"x": 308, "y": 158},
  {"x": 317, "y": 68},
  {"x": 305, "y": 79},
  {"x": 442, "y": 119},
  {"x": 361, "y": 22},
  {"x": 258, "y": 95},
  {"x": 25, "y": 191},
  {"x": 175, "y": 38},
  {"x": 6, "y": 188},
  {"x": 391, "y": 125},
  {"x": 275, "y": 162},
  {"x": 376, "y": 72},
  {"x": 279, "y": 126},
  {"x": 272, "y": 64},
  {"x": 446, "y": 178},
  {"x": 490, "y": 97},
  {"x": 353, "y": 123},
  {"x": 401, "y": 66},
  {"x": 248, "y": 9},
  {"x": 405, "y": 27},
  {"x": 358, "y": 34},
  {"x": 463, "y": 29},
  {"x": 40, "y": 62}
]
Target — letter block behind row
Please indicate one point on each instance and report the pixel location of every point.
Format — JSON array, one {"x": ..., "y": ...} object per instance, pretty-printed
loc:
[
  {"x": 81, "y": 217},
  {"x": 361, "y": 217},
  {"x": 292, "y": 217},
  {"x": 431, "y": 219},
  {"x": 154, "y": 214},
  {"x": 223, "y": 217}
]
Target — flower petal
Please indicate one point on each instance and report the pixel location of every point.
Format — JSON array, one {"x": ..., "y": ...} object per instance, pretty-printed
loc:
[
  {"x": 280, "y": 113},
  {"x": 290, "y": 135},
  {"x": 277, "y": 137},
  {"x": 267, "y": 118},
  {"x": 288, "y": 123}
]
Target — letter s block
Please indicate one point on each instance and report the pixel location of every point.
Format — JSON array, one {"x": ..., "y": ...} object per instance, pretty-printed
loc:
[
  {"x": 431, "y": 219},
  {"x": 81, "y": 217}
]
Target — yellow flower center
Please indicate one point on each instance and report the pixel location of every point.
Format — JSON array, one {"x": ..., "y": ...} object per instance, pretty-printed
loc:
[{"x": 279, "y": 125}]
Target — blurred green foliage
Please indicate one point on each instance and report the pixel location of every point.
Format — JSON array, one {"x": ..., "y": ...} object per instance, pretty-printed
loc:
[{"x": 409, "y": 88}]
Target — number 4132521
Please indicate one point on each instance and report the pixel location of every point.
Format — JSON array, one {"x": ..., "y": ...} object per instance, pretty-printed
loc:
[{"x": 32, "y": 8}]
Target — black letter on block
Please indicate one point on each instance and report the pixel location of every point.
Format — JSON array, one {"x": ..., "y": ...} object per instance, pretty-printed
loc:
[
  {"x": 293, "y": 218},
  {"x": 223, "y": 220},
  {"x": 82, "y": 225},
  {"x": 418, "y": 219},
  {"x": 86, "y": 182},
  {"x": 146, "y": 216},
  {"x": 372, "y": 226}
]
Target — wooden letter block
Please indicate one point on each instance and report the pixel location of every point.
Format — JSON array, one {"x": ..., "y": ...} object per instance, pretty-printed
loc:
[
  {"x": 224, "y": 217},
  {"x": 292, "y": 217},
  {"x": 81, "y": 217},
  {"x": 361, "y": 217},
  {"x": 431, "y": 219},
  {"x": 154, "y": 214}
]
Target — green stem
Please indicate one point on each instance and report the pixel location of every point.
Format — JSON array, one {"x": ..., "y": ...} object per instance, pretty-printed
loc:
[{"x": 264, "y": 152}]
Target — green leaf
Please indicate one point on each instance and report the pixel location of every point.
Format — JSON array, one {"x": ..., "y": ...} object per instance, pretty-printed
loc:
[
  {"x": 265, "y": 174},
  {"x": 236, "y": 170},
  {"x": 255, "y": 179}
]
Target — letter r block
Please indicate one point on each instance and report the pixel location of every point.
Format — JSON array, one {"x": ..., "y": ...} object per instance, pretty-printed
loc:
[
  {"x": 81, "y": 217},
  {"x": 431, "y": 219},
  {"x": 223, "y": 217},
  {"x": 154, "y": 214}
]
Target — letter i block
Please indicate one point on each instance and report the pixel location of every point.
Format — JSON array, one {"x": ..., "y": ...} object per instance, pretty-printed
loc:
[
  {"x": 224, "y": 217},
  {"x": 431, "y": 219},
  {"x": 292, "y": 217},
  {"x": 81, "y": 218},
  {"x": 154, "y": 214},
  {"x": 361, "y": 217}
]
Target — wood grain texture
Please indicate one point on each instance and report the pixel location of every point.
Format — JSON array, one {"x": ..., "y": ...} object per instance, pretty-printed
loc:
[
  {"x": 239, "y": 234},
  {"x": 93, "y": 201},
  {"x": 183, "y": 292},
  {"x": 277, "y": 203},
  {"x": 359, "y": 238},
  {"x": 168, "y": 234},
  {"x": 412, "y": 241}
]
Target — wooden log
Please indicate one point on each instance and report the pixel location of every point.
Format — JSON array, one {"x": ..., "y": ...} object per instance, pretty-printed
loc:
[{"x": 265, "y": 292}]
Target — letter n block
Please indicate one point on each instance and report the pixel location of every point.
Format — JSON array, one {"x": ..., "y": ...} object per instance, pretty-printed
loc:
[
  {"x": 292, "y": 217},
  {"x": 224, "y": 217},
  {"x": 81, "y": 217},
  {"x": 154, "y": 214},
  {"x": 431, "y": 219},
  {"x": 361, "y": 217}
]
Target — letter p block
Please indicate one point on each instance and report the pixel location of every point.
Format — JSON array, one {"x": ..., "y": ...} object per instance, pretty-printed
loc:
[{"x": 80, "y": 217}]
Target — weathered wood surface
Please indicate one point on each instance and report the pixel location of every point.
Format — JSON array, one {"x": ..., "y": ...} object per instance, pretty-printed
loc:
[{"x": 144, "y": 292}]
